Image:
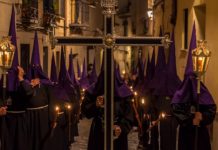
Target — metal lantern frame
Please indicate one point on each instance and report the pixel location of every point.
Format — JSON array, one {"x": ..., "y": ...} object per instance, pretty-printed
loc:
[
  {"x": 201, "y": 57},
  {"x": 7, "y": 50}
]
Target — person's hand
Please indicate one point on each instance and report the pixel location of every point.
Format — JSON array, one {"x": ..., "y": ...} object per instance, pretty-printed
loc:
[
  {"x": 3, "y": 111},
  {"x": 35, "y": 82},
  {"x": 198, "y": 115},
  {"x": 20, "y": 73},
  {"x": 100, "y": 101},
  {"x": 117, "y": 130},
  {"x": 196, "y": 122},
  {"x": 197, "y": 119}
]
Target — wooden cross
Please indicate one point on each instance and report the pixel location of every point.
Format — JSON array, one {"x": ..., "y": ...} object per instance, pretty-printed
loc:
[{"x": 109, "y": 41}]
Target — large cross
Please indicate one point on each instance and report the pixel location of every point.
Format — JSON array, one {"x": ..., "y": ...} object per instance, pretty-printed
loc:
[{"x": 109, "y": 41}]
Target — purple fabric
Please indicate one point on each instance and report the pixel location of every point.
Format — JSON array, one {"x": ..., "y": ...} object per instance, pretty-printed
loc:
[
  {"x": 12, "y": 82},
  {"x": 60, "y": 95},
  {"x": 64, "y": 80},
  {"x": 78, "y": 69},
  {"x": 172, "y": 81},
  {"x": 93, "y": 75},
  {"x": 84, "y": 81},
  {"x": 160, "y": 70},
  {"x": 121, "y": 90},
  {"x": 53, "y": 75},
  {"x": 35, "y": 69},
  {"x": 189, "y": 66},
  {"x": 188, "y": 93},
  {"x": 71, "y": 70}
]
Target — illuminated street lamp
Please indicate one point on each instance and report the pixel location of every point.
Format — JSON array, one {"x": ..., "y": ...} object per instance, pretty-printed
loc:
[{"x": 6, "y": 58}]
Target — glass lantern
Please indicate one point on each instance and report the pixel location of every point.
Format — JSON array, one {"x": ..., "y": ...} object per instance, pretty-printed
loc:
[
  {"x": 200, "y": 56},
  {"x": 6, "y": 53}
]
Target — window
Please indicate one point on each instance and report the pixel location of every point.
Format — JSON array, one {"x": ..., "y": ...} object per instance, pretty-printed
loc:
[{"x": 25, "y": 53}]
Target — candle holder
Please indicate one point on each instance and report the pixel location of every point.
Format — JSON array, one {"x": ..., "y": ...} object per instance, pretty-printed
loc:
[
  {"x": 6, "y": 58},
  {"x": 200, "y": 57}
]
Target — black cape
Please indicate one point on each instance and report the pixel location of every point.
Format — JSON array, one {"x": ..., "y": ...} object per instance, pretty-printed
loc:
[{"x": 182, "y": 112}]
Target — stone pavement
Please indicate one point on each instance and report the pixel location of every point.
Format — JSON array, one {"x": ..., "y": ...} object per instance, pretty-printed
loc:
[{"x": 82, "y": 140}]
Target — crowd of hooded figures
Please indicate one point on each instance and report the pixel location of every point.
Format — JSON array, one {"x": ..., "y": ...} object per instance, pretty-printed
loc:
[{"x": 42, "y": 113}]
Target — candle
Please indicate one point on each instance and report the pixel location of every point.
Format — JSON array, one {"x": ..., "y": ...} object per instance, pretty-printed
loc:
[
  {"x": 135, "y": 93},
  {"x": 133, "y": 100},
  {"x": 200, "y": 63},
  {"x": 123, "y": 72},
  {"x": 57, "y": 109},
  {"x": 143, "y": 101},
  {"x": 163, "y": 115}
]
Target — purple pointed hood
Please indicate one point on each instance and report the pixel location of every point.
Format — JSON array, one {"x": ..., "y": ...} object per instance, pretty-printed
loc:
[
  {"x": 187, "y": 92},
  {"x": 64, "y": 80},
  {"x": 121, "y": 90},
  {"x": 189, "y": 66},
  {"x": 13, "y": 81},
  {"x": 35, "y": 69},
  {"x": 53, "y": 75},
  {"x": 84, "y": 81},
  {"x": 97, "y": 88},
  {"x": 158, "y": 82},
  {"x": 93, "y": 75},
  {"x": 172, "y": 81},
  {"x": 71, "y": 70},
  {"x": 78, "y": 69}
]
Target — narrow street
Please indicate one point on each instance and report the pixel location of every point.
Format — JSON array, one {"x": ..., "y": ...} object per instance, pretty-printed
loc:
[{"x": 82, "y": 140}]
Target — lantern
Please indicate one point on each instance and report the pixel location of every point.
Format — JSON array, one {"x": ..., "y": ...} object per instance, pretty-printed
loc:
[
  {"x": 6, "y": 53},
  {"x": 200, "y": 56}
]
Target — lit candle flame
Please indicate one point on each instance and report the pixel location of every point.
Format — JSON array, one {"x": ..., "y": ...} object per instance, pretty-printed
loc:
[
  {"x": 69, "y": 106},
  {"x": 57, "y": 108},
  {"x": 123, "y": 72},
  {"x": 83, "y": 90},
  {"x": 133, "y": 100},
  {"x": 163, "y": 115},
  {"x": 135, "y": 93},
  {"x": 143, "y": 101}
]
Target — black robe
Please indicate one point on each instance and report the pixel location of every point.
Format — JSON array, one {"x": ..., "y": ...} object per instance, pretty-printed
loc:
[
  {"x": 37, "y": 114},
  {"x": 123, "y": 117},
  {"x": 16, "y": 137},
  {"x": 187, "y": 130},
  {"x": 168, "y": 125}
]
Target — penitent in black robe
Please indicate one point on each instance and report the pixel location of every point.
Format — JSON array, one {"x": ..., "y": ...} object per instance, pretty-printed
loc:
[
  {"x": 182, "y": 112},
  {"x": 123, "y": 117},
  {"x": 168, "y": 125},
  {"x": 37, "y": 114},
  {"x": 16, "y": 138}
]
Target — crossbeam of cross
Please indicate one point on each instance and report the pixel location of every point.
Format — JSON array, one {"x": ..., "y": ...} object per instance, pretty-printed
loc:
[{"x": 109, "y": 41}]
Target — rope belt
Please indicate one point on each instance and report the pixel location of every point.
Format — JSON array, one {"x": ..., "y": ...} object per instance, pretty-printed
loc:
[
  {"x": 15, "y": 112},
  {"x": 37, "y": 108}
]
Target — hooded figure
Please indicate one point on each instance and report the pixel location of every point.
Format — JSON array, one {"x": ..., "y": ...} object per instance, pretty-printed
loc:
[
  {"x": 16, "y": 133},
  {"x": 37, "y": 91},
  {"x": 53, "y": 75},
  {"x": 66, "y": 83},
  {"x": 171, "y": 82},
  {"x": 185, "y": 102},
  {"x": 93, "y": 75},
  {"x": 84, "y": 81},
  {"x": 122, "y": 112},
  {"x": 57, "y": 137}
]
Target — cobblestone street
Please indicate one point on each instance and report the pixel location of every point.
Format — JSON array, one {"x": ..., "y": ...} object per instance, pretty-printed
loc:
[{"x": 82, "y": 140}]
